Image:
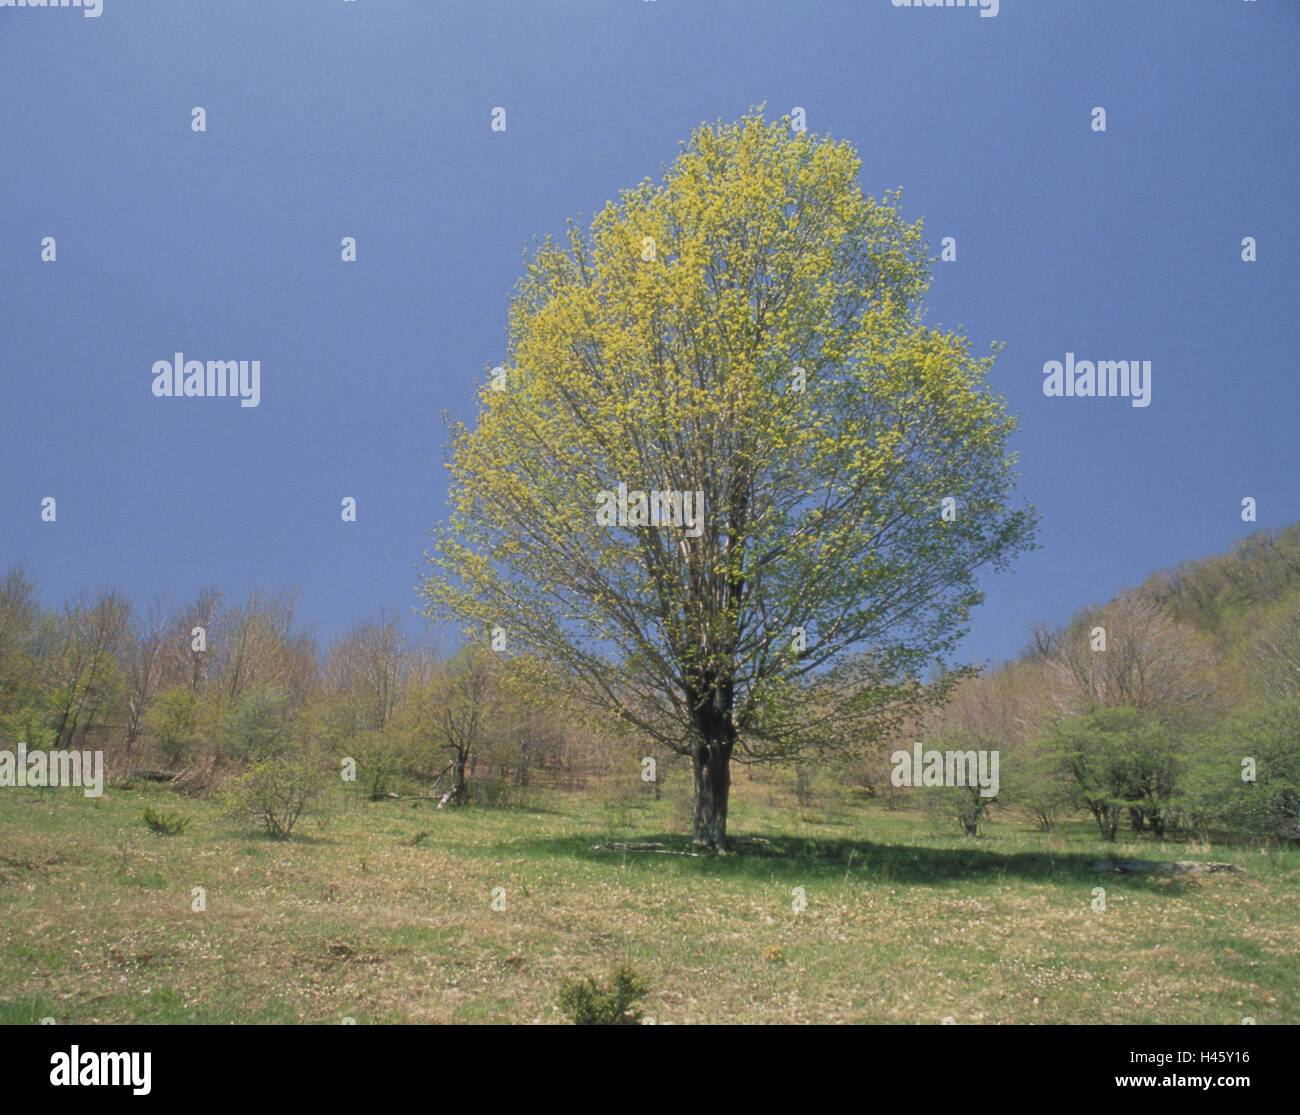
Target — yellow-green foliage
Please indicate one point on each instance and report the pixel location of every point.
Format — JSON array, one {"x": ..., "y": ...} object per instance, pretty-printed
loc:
[{"x": 658, "y": 348}]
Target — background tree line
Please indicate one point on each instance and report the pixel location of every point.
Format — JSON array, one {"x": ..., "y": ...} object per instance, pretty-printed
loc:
[
  {"x": 1198, "y": 684},
  {"x": 1200, "y": 677},
  {"x": 201, "y": 691}
]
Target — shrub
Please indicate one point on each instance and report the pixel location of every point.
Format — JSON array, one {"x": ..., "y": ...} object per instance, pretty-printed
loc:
[
  {"x": 963, "y": 809},
  {"x": 173, "y": 721},
  {"x": 1119, "y": 759},
  {"x": 165, "y": 824},
  {"x": 382, "y": 760},
  {"x": 589, "y": 1004},
  {"x": 275, "y": 793},
  {"x": 258, "y": 726},
  {"x": 1218, "y": 801},
  {"x": 960, "y": 800},
  {"x": 1038, "y": 786}
]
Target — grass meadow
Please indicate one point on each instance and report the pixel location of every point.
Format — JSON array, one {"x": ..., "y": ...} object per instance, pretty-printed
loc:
[{"x": 385, "y": 914}]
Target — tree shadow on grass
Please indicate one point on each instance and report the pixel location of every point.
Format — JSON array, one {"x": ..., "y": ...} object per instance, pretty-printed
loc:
[{"x": 799, "y": 859}]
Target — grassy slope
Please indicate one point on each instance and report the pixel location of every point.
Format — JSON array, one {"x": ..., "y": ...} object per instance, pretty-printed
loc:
[{"x": 902, "y": 925}]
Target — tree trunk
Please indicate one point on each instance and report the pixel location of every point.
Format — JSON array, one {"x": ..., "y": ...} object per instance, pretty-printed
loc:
[
  {"x": 715, "y": 737},
  {"x": 63, "y": 726},
  {"x": 712, "y": 764},
  {"x": 458, "y": 780}
]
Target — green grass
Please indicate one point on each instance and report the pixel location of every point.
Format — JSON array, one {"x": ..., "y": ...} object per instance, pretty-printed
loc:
[{"x": 902, "y": 924}]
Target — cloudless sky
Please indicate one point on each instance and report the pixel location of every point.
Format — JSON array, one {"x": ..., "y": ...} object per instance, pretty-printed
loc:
[{"x": 371, "y": 119}]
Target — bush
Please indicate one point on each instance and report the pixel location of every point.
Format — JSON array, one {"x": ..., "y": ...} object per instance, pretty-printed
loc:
[
  {"x": 258, "y": 726},
  {"x": 963, "y": 802},
  {"x": 275, "y": 793},
  {"x": 382, "y": 759},
  {"x": 1119, "y": 759},
  {"x": 955, "y": 808},
  {"x": 1218, "y": 801},
  {"x": 165, "y": 824},
  {"x": 173, "y": 722},
  {"x": 589, "y": 1004},
  {"x": 1039, "y": 787}
]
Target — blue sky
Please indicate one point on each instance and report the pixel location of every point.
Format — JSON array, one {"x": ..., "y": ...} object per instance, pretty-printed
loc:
[{"x": 371, "y": 119}]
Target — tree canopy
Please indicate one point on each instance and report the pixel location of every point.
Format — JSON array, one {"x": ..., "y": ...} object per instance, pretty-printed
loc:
[{"x": 727, "y": 477}]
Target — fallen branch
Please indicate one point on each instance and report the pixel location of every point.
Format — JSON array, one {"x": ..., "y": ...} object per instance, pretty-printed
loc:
[
  {"x": 657, "y": 849},
  {"x": 1159, "y": 867}
]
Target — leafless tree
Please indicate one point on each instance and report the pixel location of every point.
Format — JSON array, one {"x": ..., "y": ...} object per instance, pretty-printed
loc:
[{"x": 91, "y": 634}]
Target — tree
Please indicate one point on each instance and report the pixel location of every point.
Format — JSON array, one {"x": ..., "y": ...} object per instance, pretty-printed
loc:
[
  {"x": 145, "y": 656},
  {"x": 739, "y": 355},
  {"x": 1009, "y": 709},
  {"x": 1118, "y": 759},
  {"x": 364, "y": 675},
  {"x": 984, "y": 714},
  {"x": 186, "y": 659},
  {"x": 453, "y": 709},
  {"x": 527, "y": 721},
  {"x": 1272, "y": 653},
  {"x": 1149, "y": 662},
  {"x": 85, "y": 676},
  {"x": 964, "y": 803},
  {"x": 21, "y": 628},
  {"x": 363, "y": 672},
  {"x": 258, "y": 645}
]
